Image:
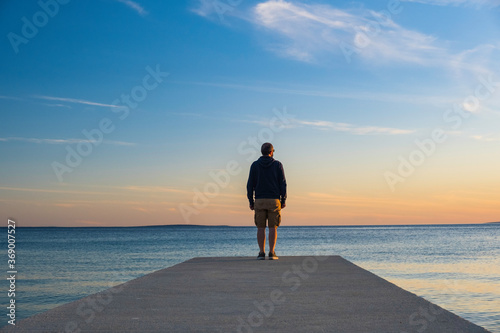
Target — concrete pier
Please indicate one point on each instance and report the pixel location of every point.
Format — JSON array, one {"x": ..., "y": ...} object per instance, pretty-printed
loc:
[{"x": 242, "y": 294}]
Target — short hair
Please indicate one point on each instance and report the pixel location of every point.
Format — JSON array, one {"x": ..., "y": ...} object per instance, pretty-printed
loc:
[{"x": 266, "y": 149}]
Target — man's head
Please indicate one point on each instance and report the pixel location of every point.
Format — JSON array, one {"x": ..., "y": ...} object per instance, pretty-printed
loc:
[{"x": 267, "y": 149}]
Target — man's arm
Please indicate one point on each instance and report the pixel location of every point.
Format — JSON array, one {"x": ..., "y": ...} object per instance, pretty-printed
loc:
[
  {"x": 251, "y": 186},
  {"x": 282, "y": 181}
]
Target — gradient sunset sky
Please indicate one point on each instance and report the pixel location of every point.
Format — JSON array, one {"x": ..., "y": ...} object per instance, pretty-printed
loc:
[{"x": 124, "y": 113}]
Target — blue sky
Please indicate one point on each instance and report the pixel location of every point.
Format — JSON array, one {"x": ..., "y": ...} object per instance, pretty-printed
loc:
[{"x": 360, "y": 81}]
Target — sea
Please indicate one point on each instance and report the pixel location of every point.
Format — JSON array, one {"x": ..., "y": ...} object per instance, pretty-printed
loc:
[{"x": 454, "y": 266}]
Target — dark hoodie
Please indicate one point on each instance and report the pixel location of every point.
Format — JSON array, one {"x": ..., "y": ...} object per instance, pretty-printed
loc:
[{"x": 267, "y": 180}]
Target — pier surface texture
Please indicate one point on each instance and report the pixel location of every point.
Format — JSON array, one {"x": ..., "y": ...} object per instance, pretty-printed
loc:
[{"x": 241, "y": 294}]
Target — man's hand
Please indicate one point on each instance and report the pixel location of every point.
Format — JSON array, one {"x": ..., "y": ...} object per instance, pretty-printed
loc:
[
  {"x": 251, "y": 207},
  {"x": 283, "y": 205}
]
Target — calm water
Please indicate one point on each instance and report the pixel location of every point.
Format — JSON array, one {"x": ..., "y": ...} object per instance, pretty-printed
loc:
[{"x": 457, "y": 267}]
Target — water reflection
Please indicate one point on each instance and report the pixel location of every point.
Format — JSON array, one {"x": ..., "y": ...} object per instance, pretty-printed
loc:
[{"x": 470, "y": 290}]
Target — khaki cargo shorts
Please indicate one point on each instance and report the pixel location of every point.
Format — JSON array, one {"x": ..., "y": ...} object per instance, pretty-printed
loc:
[{"x": 267, "y": 210}]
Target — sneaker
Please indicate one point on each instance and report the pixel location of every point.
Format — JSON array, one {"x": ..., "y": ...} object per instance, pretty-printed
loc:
[
  {"x": 273, "y": 256},
  {"x": 262, "y": 256}
]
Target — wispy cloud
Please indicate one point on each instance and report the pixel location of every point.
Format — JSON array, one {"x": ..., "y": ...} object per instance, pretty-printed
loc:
[
  {"x": 135, "y": 6},
  {"x": 204, "y": 8},
  {"x": 152, "y": 189},
  {"x": 39, "y": 190},
  {"x": 307, "y": 31},
  {"x": 9, "y": 97},
  {"x": 74, "y": 100},
  {"x": 467, "y": 3},
  {"x": 480, "y": 60},
  {"x": 350, "y": 128},
  {"x": 58, "y": 105},
  {"x": 219, "y": 11},
  {"x": 486, "y": 138},
  {"x": 100, "y": 190},
  {"x": 312, "y": 33},
  {"x": 63, "y": 141},
  {"x": 324, "y": 125},
  {"x": 335, "y": 93}
]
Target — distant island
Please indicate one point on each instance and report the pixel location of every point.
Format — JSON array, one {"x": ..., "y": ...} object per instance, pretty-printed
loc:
[
  {"x": 492, "y": 222},
  {"x": 181, "y": 225}
]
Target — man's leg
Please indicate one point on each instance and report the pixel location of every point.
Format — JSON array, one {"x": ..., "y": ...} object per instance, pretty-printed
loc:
[
  {"x": 274, "y": 222},
  {"x": 273, "y": 235},
  {"x": 261, "y": 239},
  {"x": 260, "y": 222}
]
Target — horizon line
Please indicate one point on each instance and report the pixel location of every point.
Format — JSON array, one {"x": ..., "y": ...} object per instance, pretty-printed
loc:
[{"x": 251, "y": 226}]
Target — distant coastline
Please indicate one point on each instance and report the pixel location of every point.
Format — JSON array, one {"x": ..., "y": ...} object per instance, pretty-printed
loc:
[{"x": 246, "y": 226}]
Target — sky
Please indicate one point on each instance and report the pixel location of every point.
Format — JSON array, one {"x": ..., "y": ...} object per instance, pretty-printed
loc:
[{"x": 135, "y": 112}]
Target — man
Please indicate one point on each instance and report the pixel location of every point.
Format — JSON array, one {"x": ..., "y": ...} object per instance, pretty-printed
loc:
[{"x": 267, "y": 181}]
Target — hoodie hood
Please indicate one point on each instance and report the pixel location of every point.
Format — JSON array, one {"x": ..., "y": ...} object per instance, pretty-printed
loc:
[{"x": 265, "y": 161}]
